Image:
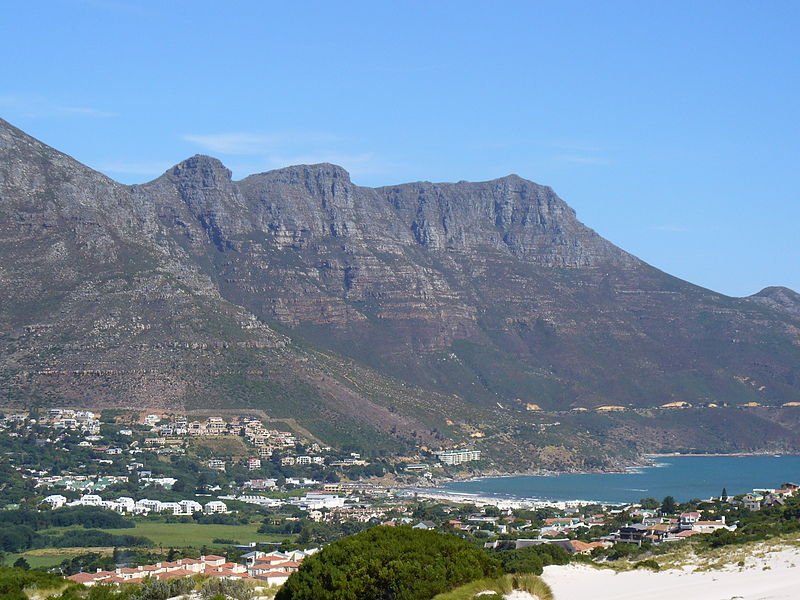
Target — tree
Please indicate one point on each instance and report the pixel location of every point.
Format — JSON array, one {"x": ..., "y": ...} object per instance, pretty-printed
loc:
[
  {"x": 724, "y": 496},
  {"x": 668, "y": 505},
  {"x": 22, "y": 563},
  {"x": 649, "y": 503},
  {"x": 389, "y": 562}
]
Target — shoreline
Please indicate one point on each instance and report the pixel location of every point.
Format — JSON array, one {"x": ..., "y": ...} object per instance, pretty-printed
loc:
[
  {"x": 731, "y": 454},
  {"x": 440, "y": 488},
  {"x": 644, "y": 462}
]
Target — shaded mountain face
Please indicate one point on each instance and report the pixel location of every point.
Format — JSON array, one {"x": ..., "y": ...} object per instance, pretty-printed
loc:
[{"x": 413, "y": 313}]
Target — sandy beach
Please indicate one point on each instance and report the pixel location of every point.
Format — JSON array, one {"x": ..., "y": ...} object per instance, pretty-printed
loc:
[{"x": 775, "y": 575}]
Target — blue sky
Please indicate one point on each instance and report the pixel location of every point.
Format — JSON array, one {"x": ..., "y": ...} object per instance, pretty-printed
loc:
[{"x": 672, "y": 128}]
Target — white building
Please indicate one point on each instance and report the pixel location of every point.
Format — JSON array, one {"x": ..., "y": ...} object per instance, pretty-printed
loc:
[
  {"x": 172, "y": 507},
  {"x": 215, "y": 507},
  {"x": 55, "y": 501},
  {"x": 125, "y": 504},
  {"x": 190, "y": 506},
  {"x": 261, "y": 484},
  {"x": 457, "y": 457},
  {"x": 90, "y": 500},
  {"x": 147, "y": 505},
  {"x": 319, "y": 501}
]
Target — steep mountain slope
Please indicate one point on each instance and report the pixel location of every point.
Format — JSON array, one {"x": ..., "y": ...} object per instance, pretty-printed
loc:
[
  {"x": 397, "y": 316},
  {"x": 99, "y": 306},
  {"x": 491, "y": 290}
]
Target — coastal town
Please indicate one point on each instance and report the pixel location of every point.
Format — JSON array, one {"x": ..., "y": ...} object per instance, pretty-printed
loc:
[{"x": 285, "y": 496}]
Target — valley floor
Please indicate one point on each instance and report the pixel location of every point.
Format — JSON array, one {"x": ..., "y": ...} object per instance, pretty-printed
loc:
[{"x": 768, "y": 574}]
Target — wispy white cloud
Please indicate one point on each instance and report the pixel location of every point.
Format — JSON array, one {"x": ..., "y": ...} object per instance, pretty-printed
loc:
[
  {"x": 256, "y": 143},
  {"x": 33, "y": 106}
]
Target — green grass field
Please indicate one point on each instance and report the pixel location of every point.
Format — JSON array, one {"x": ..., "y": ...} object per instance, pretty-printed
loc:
[
  {"x": 195, "y": 535},
  {"x": 164, "y": 535},
  {"x": 50, "y": 557}
]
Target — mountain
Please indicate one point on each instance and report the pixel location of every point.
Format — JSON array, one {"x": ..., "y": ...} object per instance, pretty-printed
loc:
[{"x": 415, "y": 314}]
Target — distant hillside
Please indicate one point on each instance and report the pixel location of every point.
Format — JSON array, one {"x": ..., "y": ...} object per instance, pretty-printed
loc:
[{"x": 393, "y": 317}]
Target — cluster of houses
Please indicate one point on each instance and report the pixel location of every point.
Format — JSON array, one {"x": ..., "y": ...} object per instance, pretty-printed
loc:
[
  {"x": 79, "y": 483},
  {"x": 656, "y": 529},
  {"x": 83, "y": 420},
  {"x": 769, "y": 498},
  {"x": 248, "y": 427},
  {"x": 126, "y": 505},
  {"x": 265, "y": 441},
  {"x": 267, "y": 569}
]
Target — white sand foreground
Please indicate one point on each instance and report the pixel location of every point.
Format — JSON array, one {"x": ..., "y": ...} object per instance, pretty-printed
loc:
[{"x": 770, "y": 576}]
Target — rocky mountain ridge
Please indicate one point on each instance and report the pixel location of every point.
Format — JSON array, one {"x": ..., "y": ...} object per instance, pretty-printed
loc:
[{"x": 381, "y": 312}]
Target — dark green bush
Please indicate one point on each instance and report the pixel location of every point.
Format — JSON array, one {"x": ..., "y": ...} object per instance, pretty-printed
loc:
[
  {"x": 389, "y": 562},
  {"x": 532, "y": 559},
  {"x": 647, "y": 564}
]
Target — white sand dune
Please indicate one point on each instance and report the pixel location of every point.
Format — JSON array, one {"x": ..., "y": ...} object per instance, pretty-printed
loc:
[
  {"x": 519, "y": 595},
  {"x": 774, "y": 576}
]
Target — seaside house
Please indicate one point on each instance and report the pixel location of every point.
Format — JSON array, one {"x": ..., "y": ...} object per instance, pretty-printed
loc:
[
  {"x": 687, "y": 519},
  {"x": 752, "y": 501}
]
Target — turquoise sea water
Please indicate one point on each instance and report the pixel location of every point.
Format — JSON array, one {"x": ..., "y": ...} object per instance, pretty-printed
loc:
[{"x": 684, "y": 477}]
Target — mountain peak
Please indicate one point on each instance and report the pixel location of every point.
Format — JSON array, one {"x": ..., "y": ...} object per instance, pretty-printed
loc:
[
  {"x": 775, "y": 291},
  {"x": 781, "y": 298},
  {"x": 210, "y": 170},
  {"x": 317, "y": 172}
]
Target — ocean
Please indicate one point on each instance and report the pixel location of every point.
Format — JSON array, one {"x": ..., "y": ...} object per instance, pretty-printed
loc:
[{"x": 683, "y": 477}]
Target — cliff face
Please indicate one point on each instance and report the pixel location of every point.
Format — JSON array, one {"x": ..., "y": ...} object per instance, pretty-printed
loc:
[
  {"x": 444, "y": 297},
  {"x": 492, "y": 290}
]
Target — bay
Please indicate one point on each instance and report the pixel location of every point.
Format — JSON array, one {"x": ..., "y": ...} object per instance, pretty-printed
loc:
[{"x": 683, "y": 477}]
